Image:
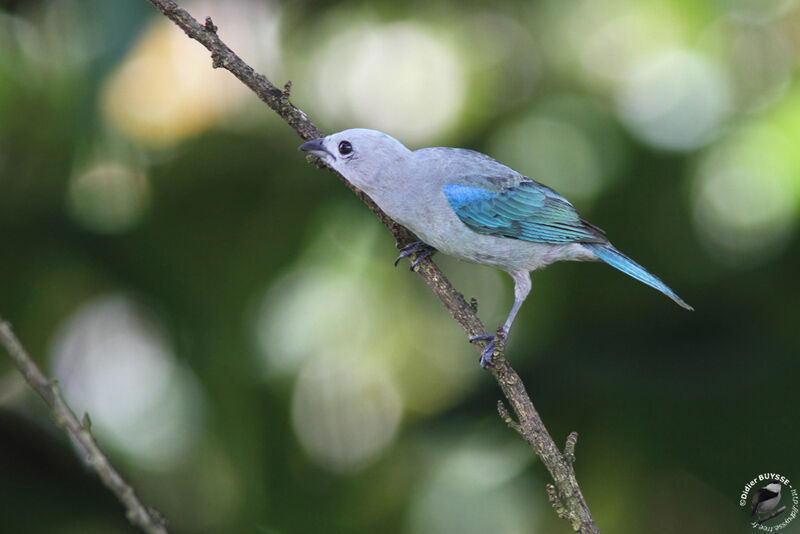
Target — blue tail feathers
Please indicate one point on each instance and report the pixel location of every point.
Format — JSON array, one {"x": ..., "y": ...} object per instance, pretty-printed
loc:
[{"x": 620, "y": 261}]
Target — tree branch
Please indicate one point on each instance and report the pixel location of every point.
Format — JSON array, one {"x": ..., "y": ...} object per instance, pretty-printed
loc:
[
  {"x": 565, "y": 491},
  {"x": 143, "y": 517},
  {"x": 775, "y": 513}
]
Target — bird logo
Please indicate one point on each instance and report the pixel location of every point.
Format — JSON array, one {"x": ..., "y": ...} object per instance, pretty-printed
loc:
[
  {"x": 772, "y": 502},
  {"x": 765, "y": 499}
]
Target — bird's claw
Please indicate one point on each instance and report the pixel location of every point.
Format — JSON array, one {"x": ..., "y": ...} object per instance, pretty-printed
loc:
[
  {"x": 408, "y": 250},
  {"x": 487, "y": 356},
  {"x": 423, "y": 251},
  {"x": 488, "y": 351}
]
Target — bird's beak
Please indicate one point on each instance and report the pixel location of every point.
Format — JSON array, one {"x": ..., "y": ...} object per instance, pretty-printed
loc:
[{"x": 315, "y": 147}]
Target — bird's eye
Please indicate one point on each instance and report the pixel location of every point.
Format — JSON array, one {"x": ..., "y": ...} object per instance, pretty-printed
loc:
[{"x": 345, "y": 148}]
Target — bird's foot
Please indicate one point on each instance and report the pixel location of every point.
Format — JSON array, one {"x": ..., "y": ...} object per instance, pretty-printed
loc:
[
  {"x": 423, "y": 251},
  {"x": 487, "y": 356}
]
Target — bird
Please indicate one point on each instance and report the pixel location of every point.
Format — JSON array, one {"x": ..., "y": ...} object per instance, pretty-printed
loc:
[
  {"x": 468, "y": 205},
  {"x": 766, "y": 498}
]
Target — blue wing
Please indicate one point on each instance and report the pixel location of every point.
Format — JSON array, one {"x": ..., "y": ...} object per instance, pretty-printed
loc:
[{"x": 519, "y": 209}]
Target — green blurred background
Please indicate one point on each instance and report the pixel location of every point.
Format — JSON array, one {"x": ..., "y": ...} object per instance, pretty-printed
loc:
[{"x": 230, "y": 318}]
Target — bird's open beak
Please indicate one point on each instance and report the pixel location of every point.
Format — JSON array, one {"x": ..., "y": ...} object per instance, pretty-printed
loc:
[{"x": 315, "y": 147}]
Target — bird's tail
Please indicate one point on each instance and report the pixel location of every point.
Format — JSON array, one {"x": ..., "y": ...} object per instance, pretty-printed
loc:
[{"x": 620, "y": 261}]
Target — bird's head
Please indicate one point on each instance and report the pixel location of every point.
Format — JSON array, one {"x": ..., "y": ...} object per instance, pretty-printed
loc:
[
  {"x": 362, "y": 156},
  {"x": 774, "y": 487}
]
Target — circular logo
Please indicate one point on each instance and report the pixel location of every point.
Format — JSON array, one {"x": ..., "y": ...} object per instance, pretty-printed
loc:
[{"x": 770, "y": 501}]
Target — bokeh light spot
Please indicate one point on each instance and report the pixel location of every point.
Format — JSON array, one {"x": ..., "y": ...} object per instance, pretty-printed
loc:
[
  {"x": 165, "y": 91},
  {"x": 676, "y": 100},
  {"x": 758, "y": 10},
  {"x": 746, "y": 193},
  {"x": 761, "y": 65},
  {"x": 113, "y": 361},
  {"x": 108, "y": 197},
  {"x": 474, "y": 487},
  {"x": 400, "y": 78},
  {"x": 344, "y": 414},
  {"x": 612, "y": 37},
  {"x": 540, "y": 146},
  {"x": 565, "y": 144}
]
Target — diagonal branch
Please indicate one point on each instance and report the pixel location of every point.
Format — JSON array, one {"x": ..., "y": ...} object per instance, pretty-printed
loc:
[
  {"x": 776, "y": 513},
  {"x": 565, "y": 493},
  {"x": 143, "y": 517}
]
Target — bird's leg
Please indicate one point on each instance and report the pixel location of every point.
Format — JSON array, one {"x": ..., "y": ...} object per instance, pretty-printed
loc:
[
  {"x": 423, "y": 251},
  {"x": 522, "y": 286},
  {"x": 488, "y": 350}
]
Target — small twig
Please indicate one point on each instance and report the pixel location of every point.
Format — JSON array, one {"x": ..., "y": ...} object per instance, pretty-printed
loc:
[
  {"x": 777, "y": 512},
  {"x": 555, "y": 502},
  {"x": 143, "y": 517},
  {"x": 86, "y": 421},
  {"x": 507, "y": 419},
  {"x": 569, "y": 448},
  {"x": 209, "y": 25}
]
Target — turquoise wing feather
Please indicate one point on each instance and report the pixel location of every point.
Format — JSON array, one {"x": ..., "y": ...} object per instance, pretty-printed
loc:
[{"x": 519, "y": 209}]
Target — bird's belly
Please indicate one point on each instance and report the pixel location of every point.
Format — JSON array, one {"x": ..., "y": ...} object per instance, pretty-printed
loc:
[
  {"x": 454, "y": 238},
  {"x": 432, "y": 219},
  {"x": 769, "y": 504}
]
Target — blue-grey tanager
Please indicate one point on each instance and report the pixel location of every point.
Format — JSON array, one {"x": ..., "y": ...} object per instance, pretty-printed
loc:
[{"x": 466, "y": 204}]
